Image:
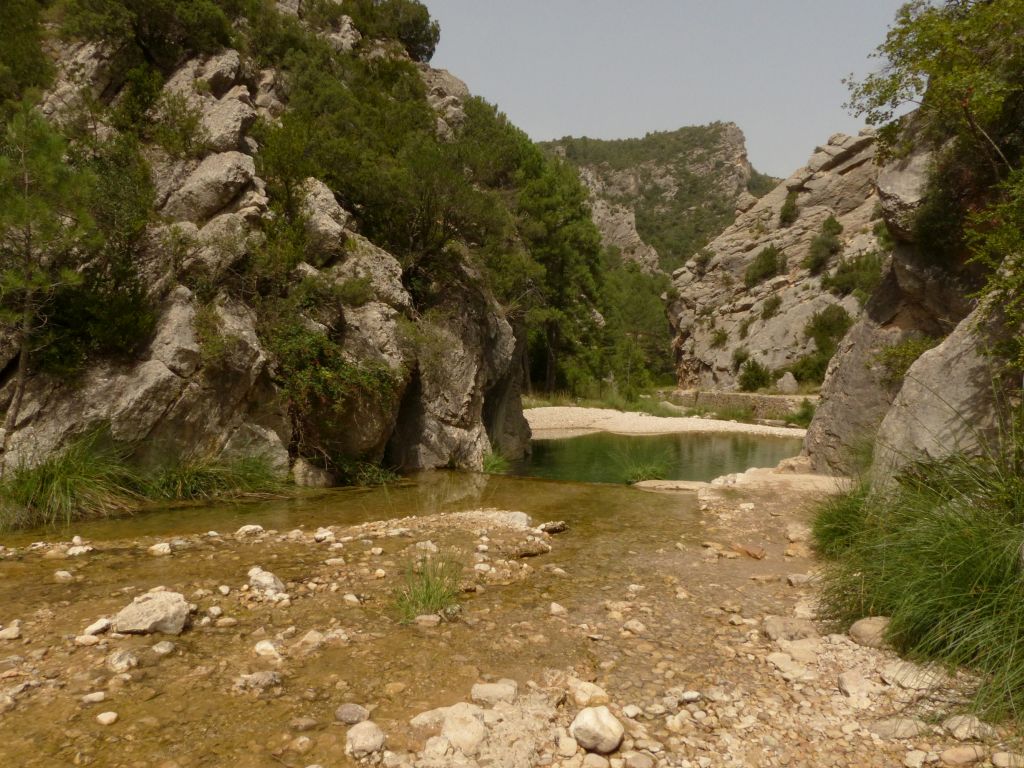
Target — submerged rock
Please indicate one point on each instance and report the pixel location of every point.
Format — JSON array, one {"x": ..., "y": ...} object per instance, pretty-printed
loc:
[{"x": 364, "y": 739}]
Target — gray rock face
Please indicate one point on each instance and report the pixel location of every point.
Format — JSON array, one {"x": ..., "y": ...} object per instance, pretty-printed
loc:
[
  {"x": 227, "y": 120},
  {"x": 596, "y": 729},
  {"x": 715, "y": 314},
  {"x": 870, "y": 631},
  {"x": 164, "y": 612},
  {"x": 949, "y": 401},
  {"x": 209, "y": 188}
]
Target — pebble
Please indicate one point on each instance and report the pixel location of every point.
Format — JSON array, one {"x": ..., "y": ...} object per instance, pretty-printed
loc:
[
  {"x": 160, "y": 550},
  {"x": 106, "y": 718},
  {"x": 163, "y": 648},
  {"x": 12, "y": 631},
  {"x": 427, "y": 620},
  {"x": 94, "y": 698},
  {"x": 350, "y": 713},
  {"x": 557, "y": 610},
  {"x": 98, "y": 627},
  {"x": 63, "y": 577}
]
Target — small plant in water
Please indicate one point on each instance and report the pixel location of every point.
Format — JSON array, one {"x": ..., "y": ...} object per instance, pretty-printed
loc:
[
  {"x": 495, "y": 463},
  {"x": 430, "y": 587},
  {"x": 641, "y": 464}
]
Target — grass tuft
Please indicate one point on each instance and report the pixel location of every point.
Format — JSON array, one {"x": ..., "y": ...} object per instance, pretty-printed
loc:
[
  {"x": 939, "y": 550},
  {"x": 88, "y": 479},
  {"x": 430, "y": 586},
  {"x": 206, "y": 478},
  {"x": 642, "y": 463},
  {"x": 495, "y": 463}
]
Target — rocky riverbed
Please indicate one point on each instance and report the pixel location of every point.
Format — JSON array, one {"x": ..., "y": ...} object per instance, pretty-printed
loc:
[{"x": 661, "y": 629}]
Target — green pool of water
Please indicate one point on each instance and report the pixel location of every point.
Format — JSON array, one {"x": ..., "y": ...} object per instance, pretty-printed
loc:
[{"x": 607, "y": 458}]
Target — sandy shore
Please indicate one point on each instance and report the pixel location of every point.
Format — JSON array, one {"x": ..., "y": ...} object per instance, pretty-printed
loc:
[{"x": 569, "y": 421}]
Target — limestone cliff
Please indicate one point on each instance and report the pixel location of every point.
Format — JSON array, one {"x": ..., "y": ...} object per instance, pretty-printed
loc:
[
  {"x": 658, "y": 198},
  {"x": 724, "y": 312},
  {"x": 205, "y": 384}
]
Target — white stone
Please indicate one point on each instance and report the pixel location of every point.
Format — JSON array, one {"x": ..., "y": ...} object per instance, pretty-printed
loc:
[
  {"x": 492, "y": 693},
  {"x": 96, "y": 697},
  {"x": 164, "y": 612},
  {"x": 596, "y": 729},
  {"x": 870, "y": 632},
  {"x": 12, "y": 631},
  {"x": 364, "y": 739},
  {"x": 265, "y": 581},
  {"x": 587, "y": 694},
  {"x": 161, "y": 549},
  {"x": 98, "y": 627},
  {"x": 106, "y": 718},
  {"x": 464, "y": 731}
]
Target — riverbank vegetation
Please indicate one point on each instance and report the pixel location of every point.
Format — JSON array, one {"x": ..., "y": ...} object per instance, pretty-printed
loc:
[
  {"x": 937, "y": 546},
  {"x": 95, "y": 477}
]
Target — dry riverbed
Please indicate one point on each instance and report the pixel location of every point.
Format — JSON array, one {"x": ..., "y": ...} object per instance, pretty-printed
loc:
[{"x": 683, "y": 639}]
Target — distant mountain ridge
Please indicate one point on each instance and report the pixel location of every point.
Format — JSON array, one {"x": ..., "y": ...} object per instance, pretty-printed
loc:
[{"x": 660, "y": 198}]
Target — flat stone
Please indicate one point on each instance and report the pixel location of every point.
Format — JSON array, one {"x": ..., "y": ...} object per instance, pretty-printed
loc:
[
  {"x": 491, "y": 693},
  {"x": 912, "y": 677},
  {"x": 1007, "y": 760},
  {"x": 965, "y": 754},
  {"x": 98, "y": 627},
  {"x": 160, "y": 550},
  {"x": 163, "y": 648},
  {"x": 122, "y": 661},
  {"x": 968, "y": 728},
  {"x": 899, "y": 728},
  {"x": 350, "y": 713},
  {"x": 63, "y": 577},
  {"x": 427, "y": 620},
  {"x": 106, "y": 718},
  {"x": 788, "y": 628},
  {"x": 12, "y": 631},
  {"x": 96, "y": 697},
  {"x": 596, "y": 729},
  {"x": 586, "y": 694},
  {"x": 164, "y": 612}
]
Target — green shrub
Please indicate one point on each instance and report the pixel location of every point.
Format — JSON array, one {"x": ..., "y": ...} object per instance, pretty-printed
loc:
[
  {"x": 859, "y": 276},
  {"x": 824, "y": 246},
  {"x": 363, "y": 473},
  {"x": 770, "y": 308},
  {"x": 701, "y": 260},
  {"x": 208, "y": 478},
  {"x": 719, "y": 338},
  {"x": 495, "y": 463},
  {"x": 939, "y": 552},
  {"x": 803, "y": 415},
  {"x": 768, "y": 263},
  {"x": 789, "y": 211},
  {"x": 89, "y": 478},
  {"x": 642, "y": 462},
  {"x": 760, "y": 184},
  {"x": 827, "y": 326},
  {"x": 745, "y": 327},
  {"x": 839, "y": 521},
  {"x": 178, "y": 127},
  {"x": 431, "y": 586},
  {"x": 896, "y": 359},
  {"x": 740, "y": 355},
  {"x": 754, "y": 376},
  {"x": 407, "y": 21},
  {"x": 23, "y": 63}
]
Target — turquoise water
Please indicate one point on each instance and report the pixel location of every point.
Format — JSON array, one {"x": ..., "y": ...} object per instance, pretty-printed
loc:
[{"x": 607, "y": 458}]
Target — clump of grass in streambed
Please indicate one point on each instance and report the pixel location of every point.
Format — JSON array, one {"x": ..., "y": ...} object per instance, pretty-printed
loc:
[
  {"x": 940, "y": 551},
  {"x": 89, "y": 478},
  {"x": 203, "y": 478},
  {"x": 93, "y": 477},
  {"x": 642, "y": 463},
  {"x": 430, "y": 587},
  {"x": 803, "y": 415},
  {"x": 495, "y": 463}
]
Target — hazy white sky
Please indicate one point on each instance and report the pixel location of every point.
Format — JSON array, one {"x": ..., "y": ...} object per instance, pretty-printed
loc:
[{"x": 621, "y": 68}]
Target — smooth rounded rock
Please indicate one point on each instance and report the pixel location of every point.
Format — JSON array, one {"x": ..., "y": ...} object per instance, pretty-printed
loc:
[
  {"x": 596, "y": 729},
  {"x": 163, "y": 612},
  {"x": 364, "y": 739},
  {"x": 464, "y": 731},
  {"x": 870, "y": 632},
  {"x": 106, "y": 718}
]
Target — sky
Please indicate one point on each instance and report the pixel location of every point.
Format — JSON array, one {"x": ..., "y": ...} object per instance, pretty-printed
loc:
[{"x": 622, "y": 68}]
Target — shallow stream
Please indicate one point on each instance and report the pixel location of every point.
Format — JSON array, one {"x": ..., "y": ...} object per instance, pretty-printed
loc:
[{"x": 179, "y": 710}]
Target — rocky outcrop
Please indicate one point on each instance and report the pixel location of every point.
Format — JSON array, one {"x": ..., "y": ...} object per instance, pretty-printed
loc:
[
  {"x": 206, "y": 385},
  {"x": 657, "y": 172},
  {"x": 916, "y": 299},
  {"x": 717, "y": 318},
  {"x": 950, "y": 401}
]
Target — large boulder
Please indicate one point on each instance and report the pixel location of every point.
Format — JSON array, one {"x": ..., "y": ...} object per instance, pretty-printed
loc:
[
  {"x": 209, "y": 188},
  {"x": 163, "y": 612},
  {"x": 226, "y": 120},
  {"x": 950, "y": 401}
]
